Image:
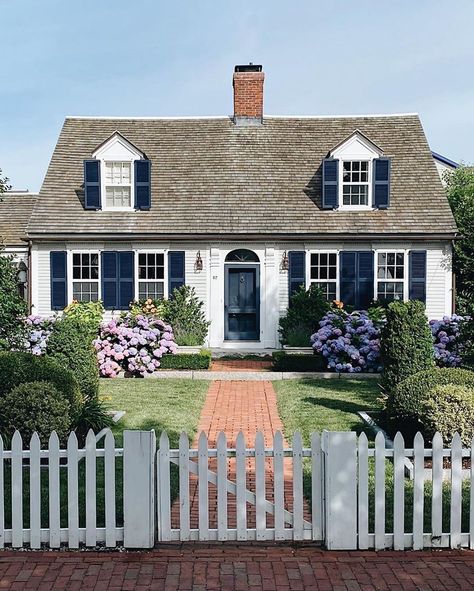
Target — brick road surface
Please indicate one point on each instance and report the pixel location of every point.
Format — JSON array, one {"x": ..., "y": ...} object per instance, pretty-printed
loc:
[{"x": 237, "y": 568}]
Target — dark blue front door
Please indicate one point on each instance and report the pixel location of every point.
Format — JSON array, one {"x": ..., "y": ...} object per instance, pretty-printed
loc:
[{"x": 242, "y": 303}]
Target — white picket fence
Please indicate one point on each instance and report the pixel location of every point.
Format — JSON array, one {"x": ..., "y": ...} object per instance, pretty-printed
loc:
[
  {"x": 359, "y": 495},
  {"x": 254, "y": 493}
]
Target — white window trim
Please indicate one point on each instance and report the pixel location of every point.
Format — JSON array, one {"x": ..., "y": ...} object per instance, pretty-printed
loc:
[
  {"x": 70, "y": 267},
  {"x": 162, "y": 251},
  {"x": 405, "y": 271},
  {"x": 103, "y": 184},
  {"x": 341, "y": 183},
  {"x": 309, "y": 281}
]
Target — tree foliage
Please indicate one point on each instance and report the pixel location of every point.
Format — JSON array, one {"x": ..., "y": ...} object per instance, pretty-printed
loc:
[
  {"x": 4, "y": 186},
  {"x": 13, "y": 308},
  {"x": 460, "y": 188}
]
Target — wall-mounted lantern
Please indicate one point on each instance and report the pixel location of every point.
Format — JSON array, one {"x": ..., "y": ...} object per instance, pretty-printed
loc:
[
  {"x": 198, "y": 265},
  {"x": 285, "y": 263}
]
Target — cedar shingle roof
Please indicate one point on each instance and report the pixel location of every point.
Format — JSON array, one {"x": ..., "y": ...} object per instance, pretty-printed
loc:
[
  {"x": 15, "y": 212},
  {"x": 212, "y": 177}
]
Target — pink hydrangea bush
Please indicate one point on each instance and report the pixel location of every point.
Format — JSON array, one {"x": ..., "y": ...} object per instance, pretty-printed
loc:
[{"x": 134, "y": 344}]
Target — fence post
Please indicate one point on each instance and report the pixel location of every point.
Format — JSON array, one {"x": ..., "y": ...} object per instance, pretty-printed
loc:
[
  {"x": 341, "y": 490},
  {"x": 139, "y": 449}
]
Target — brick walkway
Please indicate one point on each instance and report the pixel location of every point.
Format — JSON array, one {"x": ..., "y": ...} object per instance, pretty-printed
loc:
[
  {"x": 234, "y": 406},
  {"x": 240, "y": 365},
  {"x": 229, "y": 568}
]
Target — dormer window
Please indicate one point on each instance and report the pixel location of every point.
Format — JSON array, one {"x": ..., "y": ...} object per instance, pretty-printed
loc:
[
  {"x": 356, "y": 176},
  {"x": 355, "y": 182},
  {"x": 118, "y": 184},
  {"x": 117, "y": 177}
]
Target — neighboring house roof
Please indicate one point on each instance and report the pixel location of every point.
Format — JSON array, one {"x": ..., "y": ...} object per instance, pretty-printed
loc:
[
  {"x": 445, "y": 160},
  {"x": 212, "y": 177},
  {"x": 15, "y": 212}
]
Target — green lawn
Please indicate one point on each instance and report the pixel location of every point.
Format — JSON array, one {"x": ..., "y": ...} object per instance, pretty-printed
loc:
[
  {"x": 170, "y": 405},
  {"x": 332, "y": 404}
]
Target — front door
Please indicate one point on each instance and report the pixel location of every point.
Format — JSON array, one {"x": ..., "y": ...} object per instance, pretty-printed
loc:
[{"x": 242, "y": 303}]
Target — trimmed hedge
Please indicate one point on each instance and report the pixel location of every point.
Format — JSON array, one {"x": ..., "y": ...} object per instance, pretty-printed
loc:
[
  {"x": 449, "y": 409},
  {"x": 306, "y": 308},
  {"x": 297, "y": 362},
  {"x": 200, "y": 360},
  {"x": 19, "y": 368},
  {"x": 406, "y": 343},
  {"x": 408, "y": 399},
  {"x": 70, "y": 344},
  {"x": 35, "y": 406}
]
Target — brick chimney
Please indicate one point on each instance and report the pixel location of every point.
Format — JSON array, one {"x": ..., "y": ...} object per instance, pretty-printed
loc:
[{"x": 248, "y": 95}]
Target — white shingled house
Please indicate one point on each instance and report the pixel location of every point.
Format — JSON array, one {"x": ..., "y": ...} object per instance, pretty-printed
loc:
[{"x": 245, "y": 208}]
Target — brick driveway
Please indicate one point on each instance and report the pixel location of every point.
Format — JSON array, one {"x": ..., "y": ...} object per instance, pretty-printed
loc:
[{"x": 218, "y": 567}]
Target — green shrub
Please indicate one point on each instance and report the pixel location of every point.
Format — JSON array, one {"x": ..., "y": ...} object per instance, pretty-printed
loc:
[
  {"x": 184, "y": 311},
  {"x": 93, "y": 415},
  {"x": 201, "y": 360},
  {"x": 13, "y": 308},
  {"x": 35, "y": 406},
  {"x": 449, "y": 409},
  {"x": 297, "y": 362},
  {"x": 90, "y": 313},
  {"x": 20, "y": 368},
  {"x": 301, "y": 320},
  {"x": 70, "y": 343},
  {"x": 407, "y": 400},
  {"x": 406, "y": 343}
]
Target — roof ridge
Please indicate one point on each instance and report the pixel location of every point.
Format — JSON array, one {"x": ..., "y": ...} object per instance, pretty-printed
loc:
[{"x": 228, "y": 117}]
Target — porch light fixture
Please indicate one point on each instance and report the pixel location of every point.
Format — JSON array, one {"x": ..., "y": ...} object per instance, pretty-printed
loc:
[
  {"x": 285, "y": 263},
  {"x": 22, "y": 272},
  {"x": 198, "y": 264}
]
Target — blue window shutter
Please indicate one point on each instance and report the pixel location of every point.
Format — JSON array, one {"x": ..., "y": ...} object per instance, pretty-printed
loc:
[
  {"x": 296, "y": 271},
  {"x": 109, "y": 280},
  {"x": 348, "y": 278},
  {"x": 357, "y": 278},
  {"x": 142, "y": 184},
  {"x": 92, "y": 184},
  {"x": 417, "y": 275},
  {"x": 330, "y": 183},
  {"x": 126, "y": 283},
  {"x": 381, "y": 182},
  {"x": 58, "y": 274},
  {"x": 176, "y": 275},
  {"x": 365, "y": 279}
]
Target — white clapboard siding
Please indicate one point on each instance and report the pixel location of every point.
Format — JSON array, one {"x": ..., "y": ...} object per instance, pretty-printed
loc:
[{"x": 44, "y": 468}]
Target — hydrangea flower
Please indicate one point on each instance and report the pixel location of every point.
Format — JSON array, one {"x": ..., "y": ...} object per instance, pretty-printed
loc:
[
  {"x": 134, "y": 344},
  {"x": 39, "y": 329},
  {"x": 448, "y": 347},
  {"x": 349, "y": 342}
]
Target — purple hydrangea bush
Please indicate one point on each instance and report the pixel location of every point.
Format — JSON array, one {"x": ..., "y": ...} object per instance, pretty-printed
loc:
[
  {"x": 447, "y": 342},
  {"x": 38, "y": 331},
  {"x": 348, "y": 342},
  {"x": 134, "y": 344}
]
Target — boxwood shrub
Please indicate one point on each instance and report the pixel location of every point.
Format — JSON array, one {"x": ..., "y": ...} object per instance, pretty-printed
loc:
[
  {"x": 201, "y": 360},
  {"x": 34, "y": 406},
  {"x": 19, "y": 368},
  {"x": 449, "y": 409},
  {"x": 406, "y": 343},
  {"x": 297, "y": 362},
  {"x": 70, "y": 344},
  {"x": 408, "y": 399}
]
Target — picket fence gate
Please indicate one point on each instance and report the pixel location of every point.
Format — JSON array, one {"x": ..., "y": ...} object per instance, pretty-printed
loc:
[{"x": 342, "y": 492}]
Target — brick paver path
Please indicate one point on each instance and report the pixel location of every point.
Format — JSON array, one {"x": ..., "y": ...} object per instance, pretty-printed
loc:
[
  {"x": 233, "y": 406},
  {"x": 241, "y": 365},
  {"x": 229, "y": 568}
]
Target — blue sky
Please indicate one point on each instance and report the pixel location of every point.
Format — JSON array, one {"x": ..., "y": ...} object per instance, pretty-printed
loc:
[{"x": 152, "y": 58}]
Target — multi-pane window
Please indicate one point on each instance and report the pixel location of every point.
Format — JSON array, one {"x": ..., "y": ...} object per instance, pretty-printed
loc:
[
  {"x": 85, "y": 276},
  {"x": 390, "y": 275},
  {"x": 323, "y": 273},
  {"x": 118, "y": 184},
  {"x": 151, "y": 275},
  {"x": 355, "y": 182}
]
